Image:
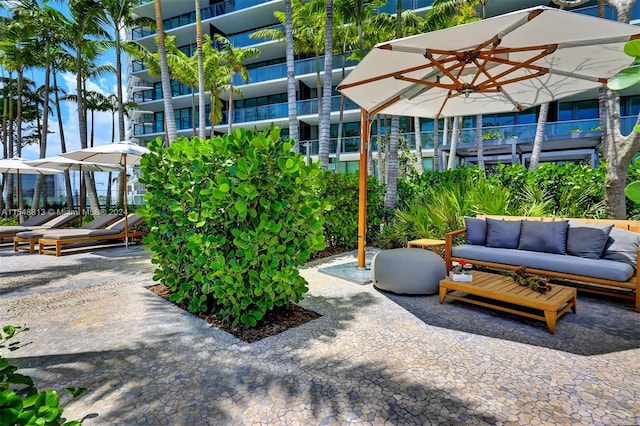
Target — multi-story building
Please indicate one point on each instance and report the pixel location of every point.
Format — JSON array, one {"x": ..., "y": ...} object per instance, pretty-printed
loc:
[{"x": 572, "y": 132}]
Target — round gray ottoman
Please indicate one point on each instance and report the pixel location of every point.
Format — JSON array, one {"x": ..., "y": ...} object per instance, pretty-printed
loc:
[{"x": 407, "y": 271}]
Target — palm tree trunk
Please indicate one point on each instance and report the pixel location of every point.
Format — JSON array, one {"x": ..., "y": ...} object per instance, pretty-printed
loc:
[
  {"x": 392, "y": 164},
  {"x": 418, "y": 137},
  {"x": 63, "y": 145},
  {"x": 121, "y": 131},
  {"x": 167, "y": 95},
  {"x": 537, "y": 140},
  {"x": 325, "y": 119},
  {"x": 19, "y": 142},
  {"x": 294, "y": 130},
  {"x": 479, "y": 142},
  {"x": 454, "y": 144},
  {"x": 436, "y": 146},
  {"x": 44, "y": 129},
  {"x": 202, "y": 116},
  {"x": 339, "y": 139},
  {"x": 230, "y": 110},
  {"x": 381, "y": 170}
]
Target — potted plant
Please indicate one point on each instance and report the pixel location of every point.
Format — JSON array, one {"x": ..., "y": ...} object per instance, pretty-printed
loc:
[
  {"x": 575, "y": 132},
  {"x": 461, "y": 272}
]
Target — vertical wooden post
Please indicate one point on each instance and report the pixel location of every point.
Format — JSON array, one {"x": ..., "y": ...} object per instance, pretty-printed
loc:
[{"x": 362, "y": 203}]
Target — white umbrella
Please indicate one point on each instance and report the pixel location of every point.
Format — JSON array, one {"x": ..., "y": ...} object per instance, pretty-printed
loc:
[
  {"x": 507, "y": 63},
  {"x": 122, "y": 153},
  {"x": 63, "y": 163},
  {"x": 17, "y": 165}
]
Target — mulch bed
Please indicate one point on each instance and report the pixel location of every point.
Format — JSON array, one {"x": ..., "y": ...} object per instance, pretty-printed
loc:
[{"x": 274, "y": 322}]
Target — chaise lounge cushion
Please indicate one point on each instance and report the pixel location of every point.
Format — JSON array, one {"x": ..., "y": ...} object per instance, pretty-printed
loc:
[
  {"x": 476, "y": 230},
  {"x": 596, "y": 268},
  {"x": 622, "y": 246},
  {"x": 547, "y": 237},
  {"x": 503, "y": 233},
  {"x": 586, "y": 240}
]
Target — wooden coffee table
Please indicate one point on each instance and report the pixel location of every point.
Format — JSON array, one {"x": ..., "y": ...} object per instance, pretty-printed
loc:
[{"x": 501, "y": 288}]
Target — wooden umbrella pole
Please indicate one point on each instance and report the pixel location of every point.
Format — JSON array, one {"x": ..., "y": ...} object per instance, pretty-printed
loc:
[
  {"x": 362, "y": 203},
  {"x": 81, "y": 191},
  {"x": 126, "y": 210},
  {"x": 20, "y": 218}
]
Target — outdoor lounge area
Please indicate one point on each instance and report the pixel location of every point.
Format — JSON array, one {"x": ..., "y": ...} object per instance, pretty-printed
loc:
[{"x": 371, "y": 358}]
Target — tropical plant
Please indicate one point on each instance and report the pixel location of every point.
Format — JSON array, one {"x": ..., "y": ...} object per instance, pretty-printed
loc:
[
  {"x": 20, "y": 401},
  {"x": 234, "y": 59},
  {"x": 231, "y": 219},
  {"x": 341, "y": 213}
]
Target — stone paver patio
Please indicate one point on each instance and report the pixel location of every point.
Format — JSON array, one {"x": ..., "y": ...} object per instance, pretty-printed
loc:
[{"x": 365, "y": 361}]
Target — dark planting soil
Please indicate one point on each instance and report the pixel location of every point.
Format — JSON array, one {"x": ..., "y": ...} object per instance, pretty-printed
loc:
[{"x": 274, "y": 322}]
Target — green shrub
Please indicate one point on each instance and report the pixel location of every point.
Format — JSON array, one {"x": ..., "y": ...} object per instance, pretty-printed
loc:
[
  {"x": 230, "y": 220},
  {"x": 341, "y": 194},
  {"x": 20, "y": 401}
]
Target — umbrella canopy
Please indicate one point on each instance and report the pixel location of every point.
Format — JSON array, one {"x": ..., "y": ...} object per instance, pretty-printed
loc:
[
  {"x": 17, "y": 165},
  {"x": 122, "y": 153},
  {"x": 507, "y": 63},
  {"x": 64, "y": 163}
]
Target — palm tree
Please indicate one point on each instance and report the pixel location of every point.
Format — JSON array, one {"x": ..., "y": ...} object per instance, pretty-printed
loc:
[
  {"x": 17, "y": 41},
  {"x": 325, "y": 119},
  {"x": 234, "y": 59},
  {"x": 201, "y": 101},
  {"x": 294, "y": 129},
  {"x": 308, "y": 33},
  {"x": 167, "y": 95},
  {"x": 120, "y": 14},
  {"x": 87, "y": 40}
]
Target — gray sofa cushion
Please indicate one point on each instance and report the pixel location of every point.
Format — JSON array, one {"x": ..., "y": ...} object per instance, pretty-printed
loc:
[
  {"x": 586, "y": 240},
  {"x": 503, "y": 233},
  {"x": 622, "y": 246},
  {"x": 476, "y": 230},
  {"x": 547, "y": 237},
  {"x": 596, "y": 268}
]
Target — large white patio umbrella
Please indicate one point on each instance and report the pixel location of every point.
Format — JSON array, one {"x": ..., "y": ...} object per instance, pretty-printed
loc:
[
  {"x": 63, "y": 163},
  {"x": 17, "y": 165},
  {"x": 123, "y": 153},
  {"x": 507, "y": 63}
]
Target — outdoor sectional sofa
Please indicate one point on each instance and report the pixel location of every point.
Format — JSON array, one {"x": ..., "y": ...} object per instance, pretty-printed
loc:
[{"x": 600, "y": 253}]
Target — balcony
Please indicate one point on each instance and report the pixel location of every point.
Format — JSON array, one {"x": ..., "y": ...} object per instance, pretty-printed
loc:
[
  {"x": 217, "y": 9},
  {"x": 277, "y": 71}
]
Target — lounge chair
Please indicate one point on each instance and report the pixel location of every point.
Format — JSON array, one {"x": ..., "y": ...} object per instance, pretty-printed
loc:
[
  {"x": 115, "y": 231},
  {"x": 32, "y": 236},
  {"x": 53, "y": 222}
]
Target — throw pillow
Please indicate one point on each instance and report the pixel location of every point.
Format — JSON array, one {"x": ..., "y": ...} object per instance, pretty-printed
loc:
[
  {"x": 546, "y": 237},
  {"x": 503, "y": 233},
  {"x": 586, "y": 240},
  {"x": 622, "y": 246},
  {"x": 476, "y": 231}
]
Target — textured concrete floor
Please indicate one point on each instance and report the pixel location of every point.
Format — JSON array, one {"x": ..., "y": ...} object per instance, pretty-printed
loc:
[{"x": 367, "y": 360}]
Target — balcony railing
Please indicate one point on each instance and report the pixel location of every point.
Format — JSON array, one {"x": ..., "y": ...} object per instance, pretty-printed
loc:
[
  {"x": 244, "y": 39},
  {"x": 277, "y": 71},
  {"x": 208, "y": 12},
  {"x": 390, "y": 7}
]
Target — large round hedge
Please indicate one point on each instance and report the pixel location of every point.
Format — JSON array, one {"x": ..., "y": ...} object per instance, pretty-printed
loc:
[{"x": 231, "y": 219}]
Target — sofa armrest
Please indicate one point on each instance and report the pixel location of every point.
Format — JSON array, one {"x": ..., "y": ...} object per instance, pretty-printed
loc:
[{"x": 448, "y": 238}]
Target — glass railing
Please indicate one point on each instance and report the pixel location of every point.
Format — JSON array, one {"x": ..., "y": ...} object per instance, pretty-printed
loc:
[
  {"x": 244, "y": 39},
  {"x": 177, "y": 89},
  {"x": 609, "y": 12},
  {"x": 208, "y": 12},
  {"x": 527, "y": 132},
  {"x": 281, "y": 110},
  {"x": 274, "y": 72},
  {"x": 304, "y": 66},
  {"x": 391, "y": 7}
]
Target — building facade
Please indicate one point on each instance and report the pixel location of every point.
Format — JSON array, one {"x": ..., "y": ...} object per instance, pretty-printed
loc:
[{"x": 572, "y": 132}]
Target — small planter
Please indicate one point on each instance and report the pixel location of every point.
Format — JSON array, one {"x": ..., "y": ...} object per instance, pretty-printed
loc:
[{"x": 461, "y": 277}]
